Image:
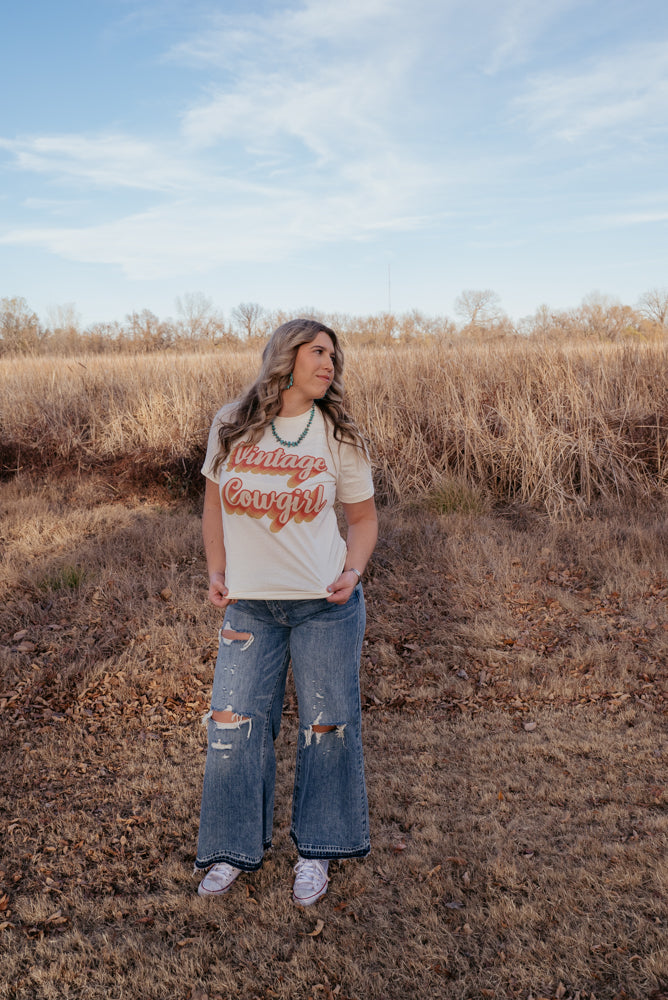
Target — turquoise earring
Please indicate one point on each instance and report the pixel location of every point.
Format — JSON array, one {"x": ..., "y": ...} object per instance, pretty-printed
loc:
[{"x": 291, "y": 382}]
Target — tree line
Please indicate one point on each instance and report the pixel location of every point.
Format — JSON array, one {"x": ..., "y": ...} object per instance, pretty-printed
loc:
[{"x": 199, "y": 326}]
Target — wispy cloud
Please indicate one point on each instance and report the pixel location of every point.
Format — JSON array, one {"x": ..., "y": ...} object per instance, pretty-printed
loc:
[
  {"x": 625, "y": 91},
  {"x": 617, "y": 220},
  {"x": 324, "y": 75},
  {"x": 293, "y": 145},
  {"x": 520, "y": 24},
  {"x": 319, "y": 123},
  {"x": 55, "y": 206},
  {"x": 329, "y": 116},
  {"x": 187, "y": 236},
  {"x": 109, "y": 160},
  {"x": 267, "y": 38}
]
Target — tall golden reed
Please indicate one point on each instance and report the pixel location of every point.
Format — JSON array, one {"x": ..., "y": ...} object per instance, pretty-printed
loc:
[{"x": 561, "y": 426}]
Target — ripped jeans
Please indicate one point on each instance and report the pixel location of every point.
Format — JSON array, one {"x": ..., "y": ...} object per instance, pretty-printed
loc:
[{"x": 330, "y": 816}]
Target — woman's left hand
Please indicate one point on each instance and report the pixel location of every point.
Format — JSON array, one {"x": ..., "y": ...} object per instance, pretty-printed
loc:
[
  {"x": 361, "y": 539},
  {"x": 343, "y": 586}
]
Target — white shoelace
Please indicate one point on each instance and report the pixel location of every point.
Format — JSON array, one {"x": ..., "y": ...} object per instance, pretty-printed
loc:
[
  {"x": 311, "y": 873},
  {"x": 220, "y": 875}
]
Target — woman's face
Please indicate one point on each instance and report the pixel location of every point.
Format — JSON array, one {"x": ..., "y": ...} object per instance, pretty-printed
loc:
[{"x": 314, "y": 368}]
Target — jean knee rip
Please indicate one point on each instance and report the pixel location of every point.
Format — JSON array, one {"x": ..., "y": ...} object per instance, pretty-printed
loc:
[
  {"x": 309, "y": 732},
  {"x": 228, "y": 635},
  {"x": 236, "y": 722}
]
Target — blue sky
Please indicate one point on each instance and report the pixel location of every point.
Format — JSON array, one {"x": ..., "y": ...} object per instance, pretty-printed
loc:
[{"x": 297, "y": 154}]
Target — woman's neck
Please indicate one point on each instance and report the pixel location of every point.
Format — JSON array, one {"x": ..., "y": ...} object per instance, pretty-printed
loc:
[{"x": 294, "y": 406}]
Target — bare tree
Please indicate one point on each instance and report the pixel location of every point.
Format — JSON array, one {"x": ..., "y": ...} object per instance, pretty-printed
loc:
[
  {"x": 478, "y": 307},
  {"x": 603, "y": 317},
  {"x": 198, "y": 319},
  {"x": 654, "y": 305},
  {"x": 248, "y": 318},
  {"x": 64, "y": 317},
  {"x": 104, "y": 337},
  {"x": 147, "y": 332},
  {"x": 541, "y": 324},
  {"x": 20, "y": 328},
  {"x": 64, "y": 323}
]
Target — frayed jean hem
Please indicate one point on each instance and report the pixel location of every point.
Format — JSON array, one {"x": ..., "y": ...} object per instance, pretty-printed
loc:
[
  {"x": 325, "y": 852},
  {"x": 242, "y": 863}
]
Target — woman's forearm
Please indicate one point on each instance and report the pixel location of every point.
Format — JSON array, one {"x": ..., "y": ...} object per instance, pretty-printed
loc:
[
  {"x": 212, "y": 531},
  {"x": 360, "y": 542}
]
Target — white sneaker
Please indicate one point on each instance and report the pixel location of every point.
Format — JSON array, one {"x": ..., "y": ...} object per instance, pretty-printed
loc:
[
  {"x": 218, "y": 879},
  {"x": 310, "y": 881}
]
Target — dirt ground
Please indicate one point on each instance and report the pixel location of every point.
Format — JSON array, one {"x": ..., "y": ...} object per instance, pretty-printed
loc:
[{"x": 514, "y": 695}]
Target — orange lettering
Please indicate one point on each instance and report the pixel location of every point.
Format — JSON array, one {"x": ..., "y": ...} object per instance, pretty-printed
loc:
[
  {"x": 298, "y": 468},
  {"x": 281, "y": 508}
]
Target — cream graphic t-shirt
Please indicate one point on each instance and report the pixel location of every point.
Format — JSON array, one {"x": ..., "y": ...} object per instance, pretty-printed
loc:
[{"x": 282, "y": 540}]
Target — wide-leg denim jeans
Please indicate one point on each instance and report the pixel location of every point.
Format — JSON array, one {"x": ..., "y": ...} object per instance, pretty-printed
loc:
[{"x": 330, "y": 816}]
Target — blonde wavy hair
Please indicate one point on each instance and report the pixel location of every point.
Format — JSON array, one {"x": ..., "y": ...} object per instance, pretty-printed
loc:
[{"x": 258, "y": 406}]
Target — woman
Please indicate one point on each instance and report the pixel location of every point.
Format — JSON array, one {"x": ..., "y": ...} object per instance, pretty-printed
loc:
[{"x": 277, "y": 459}]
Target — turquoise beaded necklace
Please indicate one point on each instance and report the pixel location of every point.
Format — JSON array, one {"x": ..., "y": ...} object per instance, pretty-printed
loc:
[{"x": 293, "y": 444}]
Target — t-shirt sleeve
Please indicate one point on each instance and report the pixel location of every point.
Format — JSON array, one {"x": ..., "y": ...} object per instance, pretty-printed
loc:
[
  {"x": 354, "y": 481},
  {"x": 213, "y": 444}
]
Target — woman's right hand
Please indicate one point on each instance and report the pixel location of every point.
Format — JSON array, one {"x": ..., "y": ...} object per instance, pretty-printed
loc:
[{"x": 218, "y": 591}]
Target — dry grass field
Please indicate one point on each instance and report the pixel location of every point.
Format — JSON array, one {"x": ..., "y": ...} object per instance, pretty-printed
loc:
[{"x": 514, "y": 687}]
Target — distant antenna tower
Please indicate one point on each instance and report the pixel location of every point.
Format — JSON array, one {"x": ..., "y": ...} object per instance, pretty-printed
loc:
[{"x": 389, "y": 289}]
